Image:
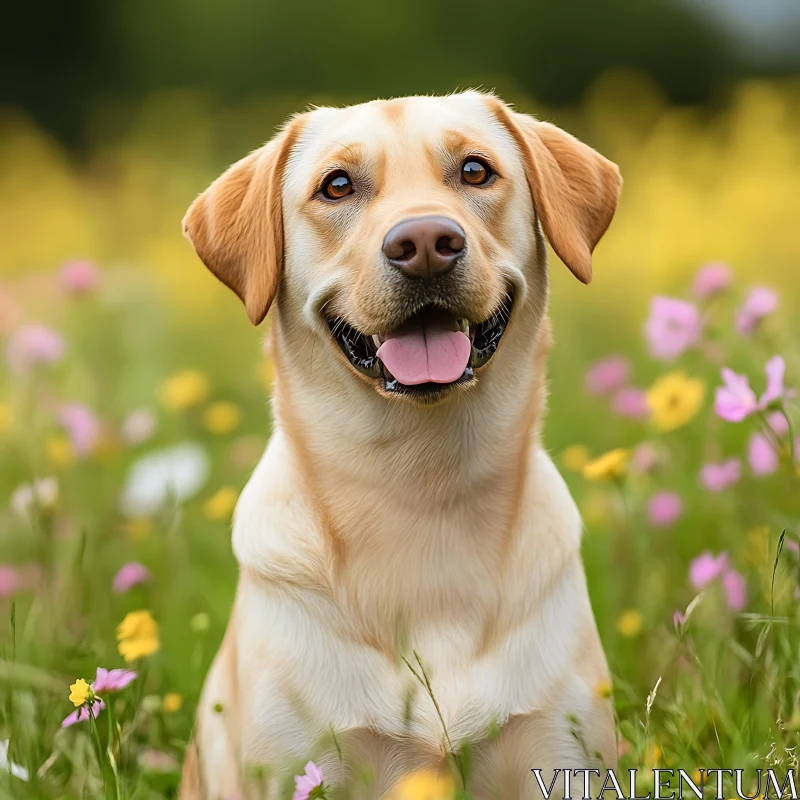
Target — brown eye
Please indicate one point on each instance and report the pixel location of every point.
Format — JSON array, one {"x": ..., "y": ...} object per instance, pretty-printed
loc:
[
  {"x": 475, "y": 172},
  {"x": 337, "y": 186}
]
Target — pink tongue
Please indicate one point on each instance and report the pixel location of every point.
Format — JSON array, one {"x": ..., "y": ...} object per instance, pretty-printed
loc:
[{"x": 429, "y": 352}]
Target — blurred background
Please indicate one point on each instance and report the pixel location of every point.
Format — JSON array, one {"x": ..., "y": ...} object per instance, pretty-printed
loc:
[{"x": 114, "y": 115}]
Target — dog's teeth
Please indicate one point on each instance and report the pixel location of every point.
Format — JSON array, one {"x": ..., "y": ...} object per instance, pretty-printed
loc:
[
  {"x": 376, "y": 340},
  {"x": 463, "y": 325}
]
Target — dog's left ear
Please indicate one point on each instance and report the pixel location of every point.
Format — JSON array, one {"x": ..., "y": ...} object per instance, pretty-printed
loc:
[
  {"x": 575, "y": 190},
  {"x": 236, "y": 225}
]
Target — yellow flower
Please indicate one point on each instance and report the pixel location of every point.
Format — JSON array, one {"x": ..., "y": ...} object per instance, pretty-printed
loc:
[
  {"x": 423, "y": 786},
  {"x": 613, "y": 464},
  {"x": 137, "y": 635},
  {"x": 674, "y": 400},
  {"x": 653, "y": 756},
  {"x": 137, "y": 529},
  {"x": 172, "y": 702},
  {"x": 221, "y": 418},
  {"x": 221, "y": 504},
  {"x": 5, "y": 418},
  {"x": 59, "y": 451},
  {"x": 575, "y": 458},
  {"x": 603, "y": 689},
  {"x": 184, "y": 389},
  {"x": 79, "y": 692},
  {"x": 629, "y": 623}
]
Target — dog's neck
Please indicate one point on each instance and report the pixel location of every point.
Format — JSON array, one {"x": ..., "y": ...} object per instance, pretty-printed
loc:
[{"x": 407, "y": 485}]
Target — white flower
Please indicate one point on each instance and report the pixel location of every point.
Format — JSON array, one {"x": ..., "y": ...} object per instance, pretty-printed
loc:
[
  {"x": 176, "y": 473},
  {"x": 43, "y": 492},
  {"x": 9, "y": 766},
  {"x": 138, "y": 426}
]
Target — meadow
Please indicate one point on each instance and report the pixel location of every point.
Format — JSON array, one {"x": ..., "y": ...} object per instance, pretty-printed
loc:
[{"x": 134, "y": 404}]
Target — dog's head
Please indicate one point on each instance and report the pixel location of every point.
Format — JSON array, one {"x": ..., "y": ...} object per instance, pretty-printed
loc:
[{"x": 405, "y": 232}]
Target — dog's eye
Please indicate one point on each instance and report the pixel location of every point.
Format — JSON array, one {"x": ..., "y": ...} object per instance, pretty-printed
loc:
[
  {"x": 475, "y": 172},
  {"x": 337, "y": 185}
]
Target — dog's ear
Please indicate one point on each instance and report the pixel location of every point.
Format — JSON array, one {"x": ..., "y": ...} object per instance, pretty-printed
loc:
[
  {"x": 236, "y": 225},
  {"x": 575, "y": 190}
]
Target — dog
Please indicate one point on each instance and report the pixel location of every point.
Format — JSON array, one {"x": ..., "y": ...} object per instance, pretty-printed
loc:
[{"x": 411, "y": 593}]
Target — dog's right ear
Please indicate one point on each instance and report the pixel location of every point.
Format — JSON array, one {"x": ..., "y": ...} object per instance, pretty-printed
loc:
[{"x": 236, "y": 225}]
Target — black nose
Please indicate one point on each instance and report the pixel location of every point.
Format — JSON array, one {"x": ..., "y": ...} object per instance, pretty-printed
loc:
[{"x": 424, "y": 247}]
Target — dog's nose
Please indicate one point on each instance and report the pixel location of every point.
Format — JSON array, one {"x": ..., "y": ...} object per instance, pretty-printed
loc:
[{"x": 424, "y": 247}]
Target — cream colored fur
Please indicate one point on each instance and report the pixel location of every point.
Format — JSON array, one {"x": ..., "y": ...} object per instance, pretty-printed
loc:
[{"x": 375, "y": 529}]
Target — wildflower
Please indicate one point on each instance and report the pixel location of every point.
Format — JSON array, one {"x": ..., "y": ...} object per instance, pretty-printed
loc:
[
  {"x": 304, "y": 785},
  {"x": 82, "y": 714},
  {"x": 221, "y": 418},
  {"x": 33, "y": 345},
  {"x": 200, "y": 622},
  {"x": 138, "y": 426},
  {"x": 9, "y": 581},
  {"x": 80, "y": 692},
  {"x": 644, "y": 458},
  {"x": 603, "y": 689},
  {"x": 81, "y": 425},
  {"x": 6, "y": 765},
  {"x": 172, "y": 702},
  {"x": 674, "y": 400},
  {"x": 613, "y": 464},
  {"x": 678, "y": 620},
  {"x": 630, "y": 623},
  {"x": 423, "y": 784},
  {"x": 672, "y": 327},
  {"x": 112, "y": 680},
  {"x": 79, "y": 277},
  {"x": 762, "y": 455},
  {"x": 5, "y": 418},
  {"x": 631, "y": 403},
  {"x": 59, "y": 451},
  {"x": 608, "y": 375},
  {"x": 184, "y": 390},
  {"x": 716, "y": 477},
  {"x": 137, "y": 635},
  {"x": 759, "y": 303},
  {"x": 130, "y": 575},
  {"x": 157, "y": 761},
  {"x": 137, "y": 529},
  {"x": 735, "y": 400},
  {"x": 221, "y": 503},
  {"x": 664, "y": 509},
  {"x": 176, "y": 473},
  {"x": 711, "y": 280},
  {"x": 575, "y": 457},
  {"x": 42, "y": 493},
  {"x": 706, "y": 568},
  {"x": 735, "y": 588}
]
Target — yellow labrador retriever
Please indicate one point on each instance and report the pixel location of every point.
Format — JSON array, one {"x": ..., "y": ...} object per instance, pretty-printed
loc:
[{"x": 411, "y": 584}]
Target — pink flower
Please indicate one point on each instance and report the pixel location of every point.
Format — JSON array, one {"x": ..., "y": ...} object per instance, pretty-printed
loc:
[
  {"x": 735, "y": 589},
  {"x": 608, "y": 375},
  {"x": 305, "y": 784},
  {"x": 130, "y": 575},
  {"x": 631, "y": 403},
  {"x": 711, "y": 280},
  {"x": 735, "y": 400},
  {"x": 706, "y": 568},
  {"x": 138, "y": 426},
  {"x": 664, "y": 509},
  {"x": 716, "y": 477},
  {"x": 759, "y": 303},
  {"x": 678, "y": 620},
  {"x": 82, "y": 426},
  {"x": 778, "y": 423},
  {"x": 9, "y": 581},
  {"x": 672, "y": 327},
  {"x": 112, "y": 680},
  {"x": 79, "y": 277},
  {"x": 82, "y": 714},
  {"x": 761, "y": 455},
  {"x": 644, "y": 458},
  {"x": 31, "y": 345}
]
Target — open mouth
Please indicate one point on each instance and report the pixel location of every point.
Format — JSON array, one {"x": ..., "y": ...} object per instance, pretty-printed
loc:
[{"x": 430, "y": 351}]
